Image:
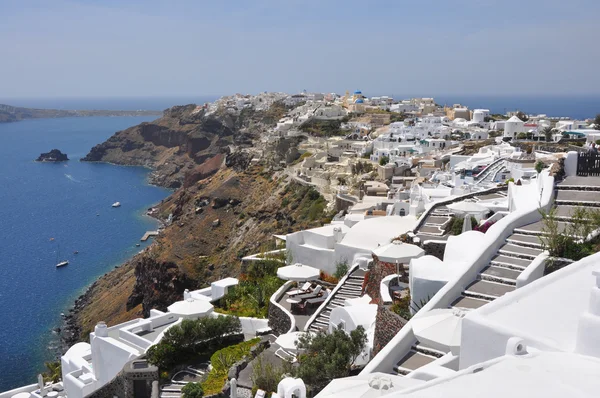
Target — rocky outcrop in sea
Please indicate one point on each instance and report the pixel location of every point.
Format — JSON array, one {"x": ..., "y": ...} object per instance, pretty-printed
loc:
[{"x": 53, "y": 156}]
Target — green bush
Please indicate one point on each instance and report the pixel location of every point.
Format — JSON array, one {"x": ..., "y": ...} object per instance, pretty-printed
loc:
[
  {"x": 539, "y": 166},
  {"x": 384, "y": 160},
  {"x": 455, "y": 226},
  {"x": 251, "y": 296},
  {"x": 341, "y": 269},
  {"x": 192, "y": 338},
  {"x": 192, "y": 390},
  {"x": 221, "y": 361},
  {"x": 328, "y": 356}
]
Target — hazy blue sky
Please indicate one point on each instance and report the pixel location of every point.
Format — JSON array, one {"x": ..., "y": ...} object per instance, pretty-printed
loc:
[{"x": 150, "y": 47}]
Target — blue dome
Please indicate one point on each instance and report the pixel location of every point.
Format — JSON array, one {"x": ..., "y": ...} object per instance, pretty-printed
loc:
[
  {"x": 359, "y": 101},
  {"x": 357, "y": 92}
]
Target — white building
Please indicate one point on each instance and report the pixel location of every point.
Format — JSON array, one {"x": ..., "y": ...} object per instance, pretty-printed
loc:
[{"x": 513, "y": 126}]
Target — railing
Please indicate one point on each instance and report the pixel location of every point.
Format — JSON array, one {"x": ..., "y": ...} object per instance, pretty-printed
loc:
[{"x": 588, "y": 164}]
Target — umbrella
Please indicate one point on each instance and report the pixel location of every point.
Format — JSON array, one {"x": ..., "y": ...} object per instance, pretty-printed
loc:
[
  {"x": 398, "y": 251},
  {"x": 440, "y": 327},
  {"x": 467, "y": 207},
  {"x": 298, "y": 272},
  {"x": 288, "y": 341},
  {"x": 191, "y": 308},
  {"x": 367, "y": 386}
]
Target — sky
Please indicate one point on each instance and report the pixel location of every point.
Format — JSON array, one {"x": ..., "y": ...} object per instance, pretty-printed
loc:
[{"x": 114, "y": 48}]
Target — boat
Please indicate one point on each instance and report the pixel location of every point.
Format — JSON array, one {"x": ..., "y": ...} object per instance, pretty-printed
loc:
[
  {"x": 62, "y": 263},
  {"x": 76, "y": 252},
  {"x": 116, "y": 204}
]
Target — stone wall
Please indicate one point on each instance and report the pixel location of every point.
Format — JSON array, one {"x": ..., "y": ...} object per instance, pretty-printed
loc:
[
  {"x": 434, "y": 248},
  {"x": 279, "y": 320},
  {"x": 122, "y": 385},
  {"x": 378, "y": 271},
  {"x": 387, "y": 325}
]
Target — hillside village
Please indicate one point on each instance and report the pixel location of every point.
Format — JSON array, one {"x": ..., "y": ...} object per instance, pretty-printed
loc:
[{"x": 444, "y": 246}]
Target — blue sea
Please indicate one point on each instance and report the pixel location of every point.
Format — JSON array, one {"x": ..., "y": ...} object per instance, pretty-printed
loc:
[{"x": 45, "y": 207}]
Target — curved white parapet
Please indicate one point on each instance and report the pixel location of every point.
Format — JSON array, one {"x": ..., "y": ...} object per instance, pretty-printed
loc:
[
  {"x": 534, "y": 270},
  {"x": 274, "y": 301}
]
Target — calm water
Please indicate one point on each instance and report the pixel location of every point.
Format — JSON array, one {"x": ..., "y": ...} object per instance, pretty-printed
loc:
[{"x": 40, "y": 201}]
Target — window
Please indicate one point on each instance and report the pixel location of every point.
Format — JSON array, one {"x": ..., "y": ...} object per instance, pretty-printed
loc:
[{"x": 402, "y": 212}]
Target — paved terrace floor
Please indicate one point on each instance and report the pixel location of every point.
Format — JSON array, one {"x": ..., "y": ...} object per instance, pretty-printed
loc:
[
  {"x": 302, "y": 318},
  {"x": 153, "y": 334},
  {"x": 267, "y": 357}
]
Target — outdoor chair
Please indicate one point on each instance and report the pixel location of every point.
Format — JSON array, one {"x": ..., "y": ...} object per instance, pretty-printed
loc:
[
  {"x": 318, "y": 300},
  {"x": 285, "y": 355},
  {"x": 313, "y": 294},
  {"x": 306, "y": 288}
]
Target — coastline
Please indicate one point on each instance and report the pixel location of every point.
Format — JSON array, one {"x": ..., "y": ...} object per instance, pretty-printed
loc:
[{"x": 69, "y": 331}]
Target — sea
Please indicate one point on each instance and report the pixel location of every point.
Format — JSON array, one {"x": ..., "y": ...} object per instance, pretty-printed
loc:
[{"x": 47, "y": 212}]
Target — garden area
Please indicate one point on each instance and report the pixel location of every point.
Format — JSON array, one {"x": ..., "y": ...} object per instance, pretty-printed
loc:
[
  {"x": 250, "y": 298},
  {"x": 193, "y": 340},
  {"x": 568, "y": 240},
  {"x": 321, "y": 358}
]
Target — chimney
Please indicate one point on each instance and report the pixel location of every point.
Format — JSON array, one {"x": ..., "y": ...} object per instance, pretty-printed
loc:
[
  {"x": 589, "y": 323},
  {"x": 101, "y": 330},
  {"x": 186, "y": 294}
]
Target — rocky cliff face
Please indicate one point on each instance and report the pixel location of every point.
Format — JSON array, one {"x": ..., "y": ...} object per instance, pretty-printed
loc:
[
  {"x": 185, "y": 137},
  {"x": 225, "y": 207}
]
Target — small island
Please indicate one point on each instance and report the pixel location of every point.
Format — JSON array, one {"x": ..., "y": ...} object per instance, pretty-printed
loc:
[{"x": 53, "y": 156}]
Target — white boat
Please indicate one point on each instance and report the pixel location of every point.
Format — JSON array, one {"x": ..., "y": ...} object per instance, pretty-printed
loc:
[
  {"x": 62, "y": 263},
  {"x": 116, "y": 204}
]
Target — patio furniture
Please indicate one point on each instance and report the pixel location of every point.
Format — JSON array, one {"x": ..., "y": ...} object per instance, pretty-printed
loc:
[
  {"x": 318, "y": 300},
  {"x": 285, "y": 355},
  {"x": 313, "y": 294},
  {"x": 260, "y": 394},
  {"x": 306, "y": 288},
  {"x": 296, "y": 304}
]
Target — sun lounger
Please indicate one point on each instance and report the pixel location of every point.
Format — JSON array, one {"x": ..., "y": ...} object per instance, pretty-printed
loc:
[
  {"x": 313, "y": 294},
  {"x": 318, "y": 300},
  {"x": 285, "y": 355},
  {"x": 304, "y": 289}
]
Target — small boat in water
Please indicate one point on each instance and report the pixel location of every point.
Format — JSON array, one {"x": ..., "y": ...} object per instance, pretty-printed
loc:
[
  {"x": 76, "y": 252},
  {"x": 116, "y": 204},
  {"x": 61, "y": 263}
]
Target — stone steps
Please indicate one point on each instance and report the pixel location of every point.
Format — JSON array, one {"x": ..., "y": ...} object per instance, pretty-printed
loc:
[
  {"x": 486, "y": 289},
  {"x": 577, "y": 198},
  {"x": 525, "y": 240},
  {"x": 494, "y": 273},
  {"x": 469, "y": 303},
  {"x": 413, "y": 360},
  {"x": 508, "y": 261},
  {"x": 519, "y": 251},
  {"x": 352, "y": 288}
]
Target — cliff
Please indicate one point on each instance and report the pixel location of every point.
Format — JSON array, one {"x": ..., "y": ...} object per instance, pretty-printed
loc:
[
  {"x": 184, "y": 138},
  {"x": 226, "y": 207}
]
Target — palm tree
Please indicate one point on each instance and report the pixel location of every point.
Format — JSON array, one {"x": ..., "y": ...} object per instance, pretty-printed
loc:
[
  {"x": 548, "y": 133},
  {"x": 53, "y": 373}
]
